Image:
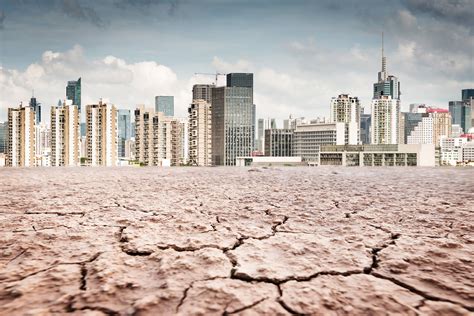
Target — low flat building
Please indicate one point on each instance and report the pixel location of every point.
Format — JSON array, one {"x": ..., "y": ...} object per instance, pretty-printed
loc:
[
  {"x": 378, "y": 155},
  {"x": 265, "y": 161}
]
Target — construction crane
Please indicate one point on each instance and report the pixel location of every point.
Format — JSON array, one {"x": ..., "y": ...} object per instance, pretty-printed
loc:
[{"x": 217, "y": 74}]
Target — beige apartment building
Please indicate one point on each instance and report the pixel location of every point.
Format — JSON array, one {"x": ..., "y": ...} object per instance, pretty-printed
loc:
[
  {"x": 346, "y": 109},
  {"x": 65, "y": 135},
  {"x": 101, "y": 134},
  {"x": 200, "y": 134},
  {"x": 21, "y": 137}
]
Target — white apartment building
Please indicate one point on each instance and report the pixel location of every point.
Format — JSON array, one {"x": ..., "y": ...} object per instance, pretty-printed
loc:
[
  {"x": 21, "y": 149},
  {"x": 451, "y": 150},
  {"x": 308, "y": 138},
  {"x": 101, "y": 134},
  {"x": 200, "y": 134},
  {"x": 468, "y": 152},
  {"x": 434, "y": 124},
  {"x": 65, "y": 135},
  {"x": 385, "y": 120},
  {"x": 43, "y": 145},
  {"x": 346, "y": 109}
]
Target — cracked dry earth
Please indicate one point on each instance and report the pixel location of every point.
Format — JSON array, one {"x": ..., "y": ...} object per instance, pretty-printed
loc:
[{"x": 221, "y": 241}]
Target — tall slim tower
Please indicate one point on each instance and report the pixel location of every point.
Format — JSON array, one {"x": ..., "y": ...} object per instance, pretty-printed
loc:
[
  {"x": 385, "y": 107},
  {"x": 65, "y": 135},
  {"x": 101, "y": 134},
  {"x": 21, "y": 137},
  {"x": 346, "y": 109}
]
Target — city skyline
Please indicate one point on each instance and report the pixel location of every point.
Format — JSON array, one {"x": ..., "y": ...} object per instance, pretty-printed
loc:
[{"x": 296, "y": 73}]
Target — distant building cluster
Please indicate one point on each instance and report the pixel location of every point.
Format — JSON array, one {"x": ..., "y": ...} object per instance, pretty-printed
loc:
[{"x": 221, "y": 129}]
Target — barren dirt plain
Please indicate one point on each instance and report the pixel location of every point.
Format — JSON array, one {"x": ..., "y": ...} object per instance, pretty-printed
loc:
[{"x": 221, "y": 241}]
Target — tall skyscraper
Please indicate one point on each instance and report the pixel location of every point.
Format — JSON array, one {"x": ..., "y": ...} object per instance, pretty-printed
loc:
[
  {"x": 73, "y": 92},
  {"x": 467, "y": 94},
  {"x": 279, "y": 142},
  {"x": 262, "y": 125},
  {"x": 65, "y": 135},
  {"x": 410, "y": 121},
  {"x": 101, "y": 134},
  {"x": 233, "y": 119},
  {"x": 461, "y": 114},
  {"x": 21, "y": 137},
  {"x": 37, "y": 108},
  {"x": 346, "y": 109},
  {"x": 203, "y": 92},
  {"x": 200, "y": 133},
  {"x": 164, "y": 104},
  {"x": 124, "y": 131},
  {"x": 385, "y": 107},
  {"x": 3, "y": 137}
]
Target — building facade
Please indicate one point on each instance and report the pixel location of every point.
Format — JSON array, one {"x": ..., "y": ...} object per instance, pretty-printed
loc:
[
  {"x": 279, "y": 142},
  {"x": 233, "y": 119},
  {"x": 365, "y": 127},
  {"x": 43, "y": 145},
  {"x": 37, "y": 108},
  {"x": 461, "y": 114},
  {"x": 200, "y": 133},
  {"x": 151, "y": 137},
  {"x": 73, "y": 93},
  {"x": 21, "y": 149},
  {"x": 308, "y": 138},
  {"x": 3, "y": 137},
  {"x": 346, "y": 109},
  {"x": 434, "y": 124},
  {"x": 385, "y": 120},
  {"x": 65, "y": 135},
  {"x": 124, "y": 132},
  {"x": 164, "y": 104},
  {"x": 101, "y": 134},
  {"x": 203, "y": 92}
]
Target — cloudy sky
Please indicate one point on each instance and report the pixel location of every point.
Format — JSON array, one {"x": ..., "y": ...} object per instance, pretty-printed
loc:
[{"x": 301, "y": 52}]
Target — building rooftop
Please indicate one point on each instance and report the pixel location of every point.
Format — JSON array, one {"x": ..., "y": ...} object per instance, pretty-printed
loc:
[{"x": 274, "y": 241}]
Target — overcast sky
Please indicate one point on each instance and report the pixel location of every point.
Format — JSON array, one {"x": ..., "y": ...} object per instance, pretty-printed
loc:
[{"x": 301, "y": 52}]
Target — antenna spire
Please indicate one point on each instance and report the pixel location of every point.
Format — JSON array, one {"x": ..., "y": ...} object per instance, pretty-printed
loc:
[{"x": 384, "y": 60}]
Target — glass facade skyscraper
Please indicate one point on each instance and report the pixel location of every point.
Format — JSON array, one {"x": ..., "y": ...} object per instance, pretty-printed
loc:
[
  {"x": 73, "y": 92},
  {"x": 3, "y": 137},
  {"x": 233, "y": 120},
  {"x": 124, "y": 130},
  {"x": 467, "y": 94},
  {"x": 165, "y": 104},
  {"x": 37, "y": 108},
  {"x": 461, "y": 114},
  {"x": 203, "y": 92}
]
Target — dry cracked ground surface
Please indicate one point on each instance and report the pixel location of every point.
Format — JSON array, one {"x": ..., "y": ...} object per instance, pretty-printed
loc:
[{"x": 221, "y": 241}]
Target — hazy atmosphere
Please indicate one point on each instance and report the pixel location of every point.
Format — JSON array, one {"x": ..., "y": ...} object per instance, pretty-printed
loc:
[{"x": 301, "y": 52}]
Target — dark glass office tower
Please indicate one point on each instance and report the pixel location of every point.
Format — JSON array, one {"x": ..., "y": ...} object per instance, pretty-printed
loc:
[
  {"x": 461, "y": 114},
  {"x": 73, "y": 92},
  {"x": 365, "y": 123},
  {"x": 467, "y": 94},
  {"x": 3, "y": 137},
  {"x": 124, "y": 131},
  {"x": 37, "y": 108},
  {"x": 233, "y": 119},
  {"x": 243, "y": 80},
  {"x": 203, "y": 92}
]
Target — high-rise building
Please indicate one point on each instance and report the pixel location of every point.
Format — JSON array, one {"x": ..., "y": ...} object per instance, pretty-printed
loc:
[
  {"x": 37, "y": 108},
  {"x": 164, "y": 104},
  {"x": 461, "y": 113},
  {"x": 200, "y": 133},
  {"x": 43, "y": 145},
  {"x": 308, "y": 138},
  {"x": 434, "y": 124},
  {"x": 151, "y": 137},
  {"x": 101, "y": 134},
  {"x": 385, "y": 120},
  {"x": 467, "y": 94},
  {"x": 21, "y": 137},
  {"x": 279, "y": 142},
  {"x": 124, "y": 131},
  {"x": 177, "y": 135},
  {"x": 65, "y": 135},
  {"x": 3, "y": 137},
  {"x": 203, "y": 92},
  {"x": 233, "y": 119},
  {"x": 365, "y": 127},
  {"x": 73, "y": 92},
  {"x": 346, "y": 109},
  {"x": 385, "y": 107}
]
